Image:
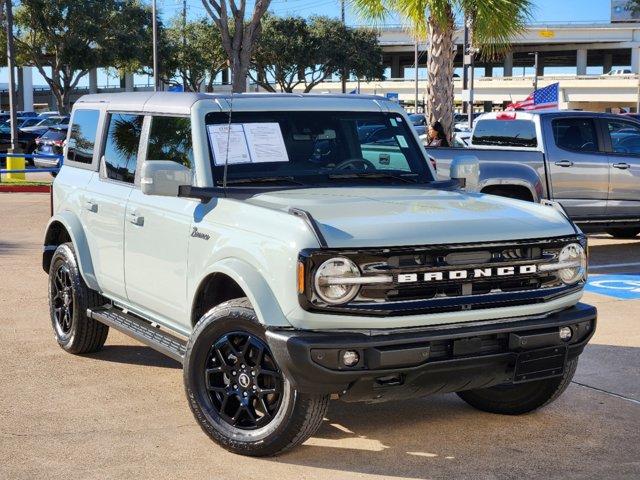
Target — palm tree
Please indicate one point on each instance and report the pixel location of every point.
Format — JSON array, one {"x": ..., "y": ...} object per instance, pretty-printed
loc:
[{"x": 493, "y": 24}]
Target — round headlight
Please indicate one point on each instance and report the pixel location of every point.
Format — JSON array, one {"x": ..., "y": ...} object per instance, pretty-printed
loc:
[
  {"x": 575, "y": 258},
  {"x": 329, "y": 279}
]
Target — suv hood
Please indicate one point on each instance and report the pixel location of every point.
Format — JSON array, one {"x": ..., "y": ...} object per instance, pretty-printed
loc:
[{"x": 389, "y": 216}]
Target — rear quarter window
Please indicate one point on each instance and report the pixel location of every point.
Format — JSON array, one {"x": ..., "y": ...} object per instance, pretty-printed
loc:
[
  {"x": 82, "y": 139},
  {"x": 505, "y": 133}
]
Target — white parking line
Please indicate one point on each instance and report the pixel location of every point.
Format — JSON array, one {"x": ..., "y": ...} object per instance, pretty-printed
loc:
[{"x": 614, "y": 265}]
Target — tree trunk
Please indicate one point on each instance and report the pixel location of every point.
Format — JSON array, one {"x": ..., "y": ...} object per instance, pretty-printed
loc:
[
  {"x": 239, "y": 70},
  {"x": 440, "y": 73}
]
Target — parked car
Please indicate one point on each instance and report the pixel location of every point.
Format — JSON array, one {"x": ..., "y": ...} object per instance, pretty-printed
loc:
[
  {"x": 50, "y": 113},
  {"x": 418, "y": 119},
  {"x": 588, "y": 162},
  {"x": 619, "y": 71},
  {"x": 50, "y": 143},
  {"x": 27, "y": 135},
  {"x": 206, "y": 227}
]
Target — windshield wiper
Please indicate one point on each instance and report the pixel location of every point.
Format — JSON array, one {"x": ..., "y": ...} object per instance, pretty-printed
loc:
[
  {"x": 407, "y": 177},
  {"x": 236, "y": 181}
]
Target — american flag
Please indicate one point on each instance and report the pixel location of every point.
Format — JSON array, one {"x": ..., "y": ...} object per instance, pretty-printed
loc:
[{"x": 540, "y": 99}]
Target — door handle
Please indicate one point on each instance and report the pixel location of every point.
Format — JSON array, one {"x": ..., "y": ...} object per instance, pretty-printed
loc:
[
  {"x": 136, "y": 219},
  {"x": 564, "y": 163},
  {"x": 621, "y": 166},
  {"x": 91, "y": 206}
]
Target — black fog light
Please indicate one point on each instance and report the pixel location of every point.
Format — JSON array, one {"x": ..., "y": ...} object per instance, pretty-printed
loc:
[{"x": 565, "y": 334}]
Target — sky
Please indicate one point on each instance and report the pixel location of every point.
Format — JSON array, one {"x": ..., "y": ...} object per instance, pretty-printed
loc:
[{"x": 552, "y": 11}]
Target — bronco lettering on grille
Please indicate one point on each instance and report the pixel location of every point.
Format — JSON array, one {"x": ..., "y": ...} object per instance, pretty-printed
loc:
[{"x": 467, "y": 274}]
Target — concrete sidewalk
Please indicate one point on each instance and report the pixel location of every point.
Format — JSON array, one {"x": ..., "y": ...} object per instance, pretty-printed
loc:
[{"x": 121, "y": 413}]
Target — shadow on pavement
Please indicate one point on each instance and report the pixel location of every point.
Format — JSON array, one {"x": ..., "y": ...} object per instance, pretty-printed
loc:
[
  {"x": 442, "y": 437},
  {"x": 134, "y": 355}
]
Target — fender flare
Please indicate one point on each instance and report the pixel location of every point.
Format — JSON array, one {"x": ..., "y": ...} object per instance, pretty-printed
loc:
[
  {"x": 526, "y": 177},
  {"x": 73, "y": 226},
  {"x": 253, "y": 285}
]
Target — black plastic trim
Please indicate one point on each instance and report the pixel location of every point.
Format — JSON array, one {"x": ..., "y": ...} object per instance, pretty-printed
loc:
[
  {"x": 311, "y": 223},
  {"x": 293, "y": 351}
]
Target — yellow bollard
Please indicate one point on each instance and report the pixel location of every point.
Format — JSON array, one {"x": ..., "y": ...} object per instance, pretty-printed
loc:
[{"x": 15, "y": 163}]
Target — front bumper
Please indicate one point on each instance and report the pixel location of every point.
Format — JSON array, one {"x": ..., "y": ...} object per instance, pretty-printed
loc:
[{"x": 402, "y": 363}]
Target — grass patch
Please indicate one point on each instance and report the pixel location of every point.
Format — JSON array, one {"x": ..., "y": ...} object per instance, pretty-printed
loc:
[{"x": 22, "y": 182}]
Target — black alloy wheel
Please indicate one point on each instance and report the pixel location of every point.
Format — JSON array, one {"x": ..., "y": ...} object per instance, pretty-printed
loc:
[
  {"x": 244, "y": 383},
  {"x": 62, "y": 300}
]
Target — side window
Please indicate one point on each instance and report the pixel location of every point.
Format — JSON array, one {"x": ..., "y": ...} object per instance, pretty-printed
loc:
[
  {"x": 576, "y": 134},
  {"x": 625, "y": 137},
  {"x": 121, "y": 148},
  {"x": 83, "y": 135},
  {"x": 170, "y": 139},
  {"x": 505, "y": 133}
]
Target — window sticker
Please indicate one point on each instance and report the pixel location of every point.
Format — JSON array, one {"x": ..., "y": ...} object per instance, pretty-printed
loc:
[
  {"x": 229, "y": 144},
  {"x": 265, "y": 142},
  {"x": 247, "y": 143},
  {"x": 402, "y": 141},
  {"x": 393, "y": 122}
]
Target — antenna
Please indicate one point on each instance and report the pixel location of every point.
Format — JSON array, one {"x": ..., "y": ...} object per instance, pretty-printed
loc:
[{"x": 226, "y": 157}]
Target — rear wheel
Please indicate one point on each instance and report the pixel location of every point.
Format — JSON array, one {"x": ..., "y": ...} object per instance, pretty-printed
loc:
[
  {"x": 236, "y": 390},
  {"x": 624, "y": 232},
  {"x": 521, "y": 398},
  {"x": 69, "y": 299}
]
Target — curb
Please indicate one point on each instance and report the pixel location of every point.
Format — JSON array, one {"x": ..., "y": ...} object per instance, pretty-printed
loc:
[{"x": 25, "y": 188}]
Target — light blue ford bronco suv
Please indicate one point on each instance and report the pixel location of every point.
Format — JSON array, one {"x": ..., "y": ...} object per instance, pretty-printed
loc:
[{"x": 288, "y": 249}]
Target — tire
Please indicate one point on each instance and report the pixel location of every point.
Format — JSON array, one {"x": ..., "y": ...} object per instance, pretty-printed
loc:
[
  {"x": 624, "y": 232},
  {"x": 522, "y": 398},
  {"x": 219, "y": 371},
  {"x": 69, "y": 298}
]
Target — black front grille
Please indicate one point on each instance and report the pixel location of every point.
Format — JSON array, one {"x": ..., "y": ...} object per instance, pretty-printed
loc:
[{"x": 441, "y": 290}]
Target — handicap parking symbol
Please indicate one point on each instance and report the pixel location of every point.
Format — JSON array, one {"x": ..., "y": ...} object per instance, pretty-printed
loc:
[{"x": 618, "y": 286}]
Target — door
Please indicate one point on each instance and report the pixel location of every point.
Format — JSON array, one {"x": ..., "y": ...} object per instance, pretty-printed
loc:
[
  {"x": 624, "y": 167},
  {"x": 106, "y": 200},
  {"x": 578, "y": 169},
  {"x": 157, "y": 230}
]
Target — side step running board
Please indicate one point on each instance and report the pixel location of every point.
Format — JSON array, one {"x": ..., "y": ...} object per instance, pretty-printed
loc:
[{"x": 141, "y": 330}]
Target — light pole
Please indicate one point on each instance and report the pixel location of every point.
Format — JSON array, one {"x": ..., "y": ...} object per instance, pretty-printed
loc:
[
  {"x": 535, "y": 70},
  {"x": 415, "y": 59},
  {"x": 467, "y": 73},
  {"x": 156, "y": 77},
  {"x": 343, "y": 74},
  {"x": 184, "y": 40},
  {"x": 12, "y": 81}
]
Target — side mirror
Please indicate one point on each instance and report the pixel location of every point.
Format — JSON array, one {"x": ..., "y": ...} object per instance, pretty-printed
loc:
[
  {"x": 466, "y": 169},
  {"x": 163, "y": 177}
]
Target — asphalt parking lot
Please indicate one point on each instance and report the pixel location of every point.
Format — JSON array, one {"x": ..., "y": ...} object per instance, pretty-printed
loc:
[{"x": 121, "y": 413}]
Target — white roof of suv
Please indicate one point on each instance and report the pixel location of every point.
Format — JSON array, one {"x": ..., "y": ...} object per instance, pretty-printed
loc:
[{"x": 182, "y": 103}]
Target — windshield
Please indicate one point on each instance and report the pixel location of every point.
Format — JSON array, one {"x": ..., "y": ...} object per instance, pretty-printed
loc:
[{"x": 314, "y": 147}]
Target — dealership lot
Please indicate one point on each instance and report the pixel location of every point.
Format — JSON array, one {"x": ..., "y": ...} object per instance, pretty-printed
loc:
[{"x": 122, "y": 412}]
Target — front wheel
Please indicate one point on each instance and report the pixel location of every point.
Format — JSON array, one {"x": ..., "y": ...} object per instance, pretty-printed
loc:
[
  {"x": 236, "y": 390},
  {"x": 69, "y": 299},
  {"x": 521, "y": 398}
]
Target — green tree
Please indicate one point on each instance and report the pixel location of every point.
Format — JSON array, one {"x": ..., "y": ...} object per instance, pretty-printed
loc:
[
  {"x": 494, "y": 24},
  {"x": 239, "y": 37},
  {"x": 199, "y": 58},
  {"x": 295, "y": 52},
  {"x": 633, "y": 6},
  {"x": 64, "y": 39}
]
